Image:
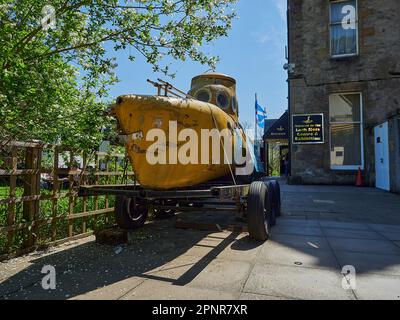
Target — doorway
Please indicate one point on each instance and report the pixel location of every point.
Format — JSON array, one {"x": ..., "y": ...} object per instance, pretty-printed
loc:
[
  {"x": 284, "y": 160},
  {"x": 382, "y": 168}
]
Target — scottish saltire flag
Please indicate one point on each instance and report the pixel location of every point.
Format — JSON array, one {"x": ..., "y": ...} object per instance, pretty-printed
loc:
[{"x": 261, "y": 115}]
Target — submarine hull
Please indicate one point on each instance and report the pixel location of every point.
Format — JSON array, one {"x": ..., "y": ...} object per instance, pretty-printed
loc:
[{"x": 178, "y": 159}]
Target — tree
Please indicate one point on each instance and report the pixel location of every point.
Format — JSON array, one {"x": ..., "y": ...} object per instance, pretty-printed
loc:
[{"x": 56, "y": 70}]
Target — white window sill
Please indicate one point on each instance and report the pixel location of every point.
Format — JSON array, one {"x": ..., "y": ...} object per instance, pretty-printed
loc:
[{"x": 344, "y": 56}]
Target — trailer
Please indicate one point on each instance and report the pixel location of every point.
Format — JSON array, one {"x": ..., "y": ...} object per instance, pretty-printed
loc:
[
  {"x": 210, "y": 105},
  {"x": 258, "y": 204}
]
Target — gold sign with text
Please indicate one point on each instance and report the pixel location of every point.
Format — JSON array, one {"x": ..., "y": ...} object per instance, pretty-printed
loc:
[{"x": 308, "y": 128}]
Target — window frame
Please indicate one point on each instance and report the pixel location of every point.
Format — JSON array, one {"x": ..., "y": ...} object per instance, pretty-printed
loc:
[
  {"x": 331, "y": 24},
  {"x": 228, "y": 100},
  {"x": 210, "y": 96},
  {"x": 361, "y": 123}
]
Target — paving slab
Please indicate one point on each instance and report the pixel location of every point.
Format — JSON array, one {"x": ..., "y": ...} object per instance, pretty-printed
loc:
[
  {"x": 296, "y": 283},
  {"x": 242, "y": 249},
  {"x": 159, "y": 290},
  {"x": 295, "y": 230},
  {"x": 205, "y": 246},
  {"x": 342, "y": 203},
  {"x": 331, "y": 216},
  {"x": 289, "y": 216},
  {"x": 296, "y": 241},
  {"x": 392, "y": 236},
  {"x": 298, "y": 223},
  {"x": 226, "y": 245},
  {"x": 364, "y": 246},
  {"x": 385, "y": 227},
  {"x": 219, "y": 274},
  {"x": 172, "y": 271},
  {"x": 344, "y": 225},
  {"x": 259, "y": 297},
  {"x": 351, "y": 234},
  {"x": 377, "y": 287},
  {"x": 326, "y": 217},
  {"x": 370, "y": 263},
  {"x": 273, "y": 253}
]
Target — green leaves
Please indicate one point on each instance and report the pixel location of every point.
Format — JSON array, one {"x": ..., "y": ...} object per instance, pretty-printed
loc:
[{"x": 54, "y": 83}]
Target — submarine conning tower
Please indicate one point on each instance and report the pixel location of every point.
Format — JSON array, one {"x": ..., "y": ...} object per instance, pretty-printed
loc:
[{"x": 218, "y": 89}]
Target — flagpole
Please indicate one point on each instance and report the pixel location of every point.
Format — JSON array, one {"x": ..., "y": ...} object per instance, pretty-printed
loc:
[{"x": 255, "y": 128}]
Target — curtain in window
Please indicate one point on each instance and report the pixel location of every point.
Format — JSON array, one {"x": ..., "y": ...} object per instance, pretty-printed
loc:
[{"x": 343, "y": 39}]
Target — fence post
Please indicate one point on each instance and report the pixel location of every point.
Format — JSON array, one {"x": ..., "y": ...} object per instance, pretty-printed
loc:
[
  {"x": 33, "y": 159},
  {"x": 95, "y": 198},
  {"x": 84, "y": 182},
  {"x": 54, "y": 201},
  {"x": 11, "y": 206},
  {"x": 71, "y": 199},
  {"x": 107, "y": 181},
  {"x": 115, "y": 180}
]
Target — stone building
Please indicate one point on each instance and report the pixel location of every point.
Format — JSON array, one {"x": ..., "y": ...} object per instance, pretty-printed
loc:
[{"x": 344, "y": 76}]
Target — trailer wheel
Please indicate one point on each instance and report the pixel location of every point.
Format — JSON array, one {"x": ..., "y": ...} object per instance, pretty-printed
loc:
[
  {"x": 130, "y": 214},
  {"x": 277, "y": 198},
  {"x": 258, "y": 211},
  {"x": 271, "y": 199}
]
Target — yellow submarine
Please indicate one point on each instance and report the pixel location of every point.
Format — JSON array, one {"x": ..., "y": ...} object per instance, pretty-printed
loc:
[{"x": 210, "y": 104}]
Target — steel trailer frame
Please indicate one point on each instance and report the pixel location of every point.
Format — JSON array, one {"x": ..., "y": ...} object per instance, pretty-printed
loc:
[{"x": 207, "y": 197}]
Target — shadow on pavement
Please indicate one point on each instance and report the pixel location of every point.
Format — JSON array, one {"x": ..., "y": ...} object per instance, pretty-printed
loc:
[
  {"x": 159, "y": 250},
  {"x": 91, "y": 266}
]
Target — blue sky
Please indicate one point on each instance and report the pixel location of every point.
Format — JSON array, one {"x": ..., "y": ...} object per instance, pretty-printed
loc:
[{"x": 253, "y": 53}]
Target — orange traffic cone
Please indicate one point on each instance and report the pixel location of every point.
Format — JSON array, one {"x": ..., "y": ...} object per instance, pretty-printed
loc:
[{"x": 359, "y": 180}]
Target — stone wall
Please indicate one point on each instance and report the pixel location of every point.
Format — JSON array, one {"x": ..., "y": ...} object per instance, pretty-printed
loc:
[
  {"x": 394, "y": 150},
  {"x": 375, "y": 72}
]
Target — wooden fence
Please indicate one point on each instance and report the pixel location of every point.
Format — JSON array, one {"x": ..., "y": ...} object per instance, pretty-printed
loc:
[{"x": 39, "y": 204}]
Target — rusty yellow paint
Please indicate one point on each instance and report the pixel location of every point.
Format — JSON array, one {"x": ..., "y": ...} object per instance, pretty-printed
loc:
[{"x": 138, "y": 114}]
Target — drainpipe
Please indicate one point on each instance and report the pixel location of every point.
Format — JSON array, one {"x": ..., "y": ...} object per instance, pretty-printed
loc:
[{"x": 289, "y": 100}]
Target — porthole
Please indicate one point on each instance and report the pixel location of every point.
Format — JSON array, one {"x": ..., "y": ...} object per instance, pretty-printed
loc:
[
  {"x": 203, "y": 95},
  {"x": 234, "y": 104},
  {"x": 223, "y": 100}
]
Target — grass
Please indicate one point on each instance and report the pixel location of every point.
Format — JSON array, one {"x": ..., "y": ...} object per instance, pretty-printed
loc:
[{"x": 5, "y": 191}]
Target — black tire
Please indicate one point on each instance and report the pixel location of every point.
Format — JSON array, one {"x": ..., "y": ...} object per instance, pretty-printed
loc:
[
  {"x": 258, "y": 211},
  {"x": 277, "y": 198},
  {"x": 130, "y": 213},
  {"x": 271, "y": 196}
]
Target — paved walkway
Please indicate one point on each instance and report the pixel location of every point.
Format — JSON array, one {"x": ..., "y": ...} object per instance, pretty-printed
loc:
[
  {"x": 341, "y": 204},
  {"x": 302, "y": 260}
]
